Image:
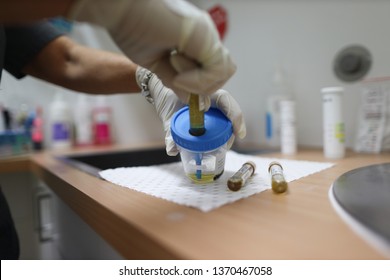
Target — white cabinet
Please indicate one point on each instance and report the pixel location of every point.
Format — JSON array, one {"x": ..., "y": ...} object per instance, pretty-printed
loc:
[
  {"x": 31, "y": 207},
  {"x": 46, "y": 226},
  {"x": 77, "y": 240}
]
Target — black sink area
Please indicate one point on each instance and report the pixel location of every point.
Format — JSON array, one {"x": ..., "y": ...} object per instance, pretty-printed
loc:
[{"x": 97, "y": 161}]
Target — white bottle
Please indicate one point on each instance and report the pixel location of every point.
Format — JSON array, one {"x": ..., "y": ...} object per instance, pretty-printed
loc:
[
  {"x": 288, "y": 135},
  {"x": 333, "y": 122},
  {"x": 60, "y": 123},
  {"x": 83, "y": 121},
  {"x": 2, "y": 120},
  {"x": 280, "y": 92}
]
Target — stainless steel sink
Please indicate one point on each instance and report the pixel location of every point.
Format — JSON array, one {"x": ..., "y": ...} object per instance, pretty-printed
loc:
[{"x": 94, "y": 162}]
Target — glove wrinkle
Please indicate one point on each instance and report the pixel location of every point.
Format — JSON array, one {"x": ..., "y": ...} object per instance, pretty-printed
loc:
[{"x": 148, "y": 30}]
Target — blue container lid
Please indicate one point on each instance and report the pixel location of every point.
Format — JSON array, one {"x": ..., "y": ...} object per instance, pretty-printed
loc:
[{"x": 218, "y": 127}]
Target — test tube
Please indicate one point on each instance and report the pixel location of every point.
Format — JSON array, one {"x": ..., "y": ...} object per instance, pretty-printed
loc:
[
  {"x": 196, "y": 116},
  {"x": 238, "y": 180},
  {"x": 196, "y": 127},
  {"x": 278, "y": 182}
]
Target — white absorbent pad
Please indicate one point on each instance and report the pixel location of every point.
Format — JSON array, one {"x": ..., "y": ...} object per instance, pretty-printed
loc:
[{"x": 168, "y": 181}]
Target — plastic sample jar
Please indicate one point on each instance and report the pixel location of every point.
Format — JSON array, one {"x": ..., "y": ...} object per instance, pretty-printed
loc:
[{"x": 203, "y": 157}]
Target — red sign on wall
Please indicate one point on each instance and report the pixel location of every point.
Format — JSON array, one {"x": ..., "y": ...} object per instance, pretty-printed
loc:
[{"x": 219, "y": 16}]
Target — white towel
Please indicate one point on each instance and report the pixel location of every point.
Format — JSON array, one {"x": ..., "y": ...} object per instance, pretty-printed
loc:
[{"x": 168, "y": 181}]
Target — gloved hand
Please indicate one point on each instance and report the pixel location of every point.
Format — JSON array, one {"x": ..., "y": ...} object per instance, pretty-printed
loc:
[
  {"x": 148, "y": 30},
  {"x": 166, "y": 103}
]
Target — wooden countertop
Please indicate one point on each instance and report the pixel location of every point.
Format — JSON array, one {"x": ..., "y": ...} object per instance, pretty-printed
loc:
[{"x": 300, "y": 224}]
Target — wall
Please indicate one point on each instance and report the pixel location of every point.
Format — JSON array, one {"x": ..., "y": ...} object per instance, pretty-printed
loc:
[{"x": 302, "y": 35}]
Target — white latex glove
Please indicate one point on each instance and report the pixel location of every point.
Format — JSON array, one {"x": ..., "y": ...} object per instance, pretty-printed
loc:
[
  {"x": 167, "y": 103},
  {"x": 148, "y": 30}
]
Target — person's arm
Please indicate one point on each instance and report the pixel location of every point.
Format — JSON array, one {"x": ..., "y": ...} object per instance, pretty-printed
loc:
[
  {"x": 18, "y": 11},
  {"x": 147, "y": 31},
  {"x": 71, "y": 65}
]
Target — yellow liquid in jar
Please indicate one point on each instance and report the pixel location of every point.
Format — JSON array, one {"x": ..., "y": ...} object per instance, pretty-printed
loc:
[{"x": 204, "y": 178}]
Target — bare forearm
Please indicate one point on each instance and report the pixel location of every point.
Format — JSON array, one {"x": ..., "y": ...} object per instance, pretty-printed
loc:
[
  {"x": 84, "y": 69},
  {"x": 17, "y": 11},
  {"x": 66, "y": 63},
  {"x": 96, "y": 71}
]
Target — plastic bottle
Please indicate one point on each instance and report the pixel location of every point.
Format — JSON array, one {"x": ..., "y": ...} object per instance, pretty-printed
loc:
[
  {"x": 37, "y": 130},
  {"x": 60, "y": 123},
  {"x": 280, "y": 92},
  {"x": 101, "y": 119},
  {"x": 2, "y": 119},
  {"x": 5, "y": 118},
  {"x": 333, "y": 122},
  {"x": 22, "y": 121},
  {"x": 288, "y": 134},
  {"x": 83, "y": 121}
]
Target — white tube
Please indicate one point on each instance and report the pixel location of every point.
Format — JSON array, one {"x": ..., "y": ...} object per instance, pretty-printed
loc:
[
  {"x": 288, "y": 135},
  {"x": 333, "y": 122}
]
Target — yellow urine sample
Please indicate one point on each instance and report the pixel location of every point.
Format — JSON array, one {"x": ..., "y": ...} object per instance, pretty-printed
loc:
[
  {"x": 278, "y": 182},
  {"x": 203, "y": 178},
  {"x": 238, "y": 180},
  {"x": 196, "y": 116}
]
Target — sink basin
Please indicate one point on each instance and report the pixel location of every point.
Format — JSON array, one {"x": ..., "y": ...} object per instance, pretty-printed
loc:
[
  {"x": 362, "y": 198},
  {"x": 93, "y": 163}
]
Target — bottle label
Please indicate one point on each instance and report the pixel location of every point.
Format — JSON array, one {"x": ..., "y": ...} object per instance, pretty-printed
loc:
[
  {"x": 220, "y": 163},
  {"x": 339, "y": 132},
  {"x": 61, "y": 131},
  {"x": 275, "y": 170}
]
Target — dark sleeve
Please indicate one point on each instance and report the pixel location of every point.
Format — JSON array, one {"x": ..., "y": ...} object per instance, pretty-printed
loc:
[
  {"x": 9, "y": 240},
  {"x": 23, "y": 42}
]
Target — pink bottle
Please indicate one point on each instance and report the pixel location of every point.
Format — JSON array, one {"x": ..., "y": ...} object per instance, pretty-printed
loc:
[
  {"x": 101, "y": 118},
  {"x": 37, "y": 130}
]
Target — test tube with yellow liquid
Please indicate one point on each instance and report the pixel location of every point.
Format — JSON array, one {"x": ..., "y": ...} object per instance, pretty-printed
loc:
[
  {"x": 196, "y": 129},
  {"x": 196, "y": 116}
]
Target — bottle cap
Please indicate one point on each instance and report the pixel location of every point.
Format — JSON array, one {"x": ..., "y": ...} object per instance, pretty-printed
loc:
[{"x": 218, "y": 127}]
